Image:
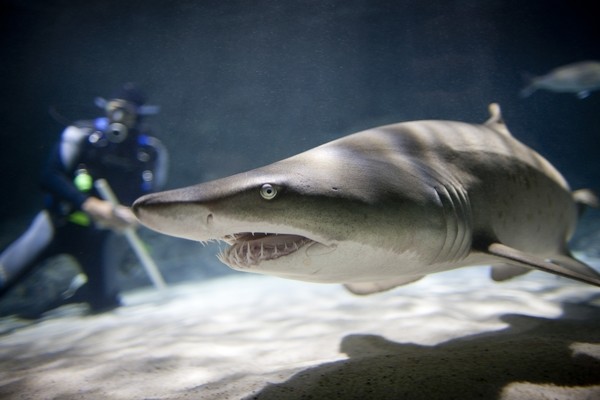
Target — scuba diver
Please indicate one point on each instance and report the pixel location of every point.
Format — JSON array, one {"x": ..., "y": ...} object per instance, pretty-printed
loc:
[{"x": 75, "y": 220}]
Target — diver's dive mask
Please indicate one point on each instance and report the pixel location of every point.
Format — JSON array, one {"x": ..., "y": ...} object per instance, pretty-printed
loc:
[{"x": 122, "y": 116}]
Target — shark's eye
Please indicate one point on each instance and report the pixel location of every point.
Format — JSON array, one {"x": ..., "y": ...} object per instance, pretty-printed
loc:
[{"x": 268, "y": 191}]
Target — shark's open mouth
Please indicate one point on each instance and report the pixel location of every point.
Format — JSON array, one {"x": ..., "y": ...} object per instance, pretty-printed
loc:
[{"x": 249, "y": 249}]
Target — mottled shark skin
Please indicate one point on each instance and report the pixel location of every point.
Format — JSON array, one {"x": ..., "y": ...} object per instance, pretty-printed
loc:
[
  {"x": 580, "y": 78},
  {"x": 385, "y": 207}
]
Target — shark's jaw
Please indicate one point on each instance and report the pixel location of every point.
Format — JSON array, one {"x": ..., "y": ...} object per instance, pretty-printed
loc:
[
  {"x": 258, "y": 246},
  {"x": 250, "y": 249}
]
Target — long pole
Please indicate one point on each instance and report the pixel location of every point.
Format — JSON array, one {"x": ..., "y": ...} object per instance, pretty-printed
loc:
[{"x": 132, "y": 237}]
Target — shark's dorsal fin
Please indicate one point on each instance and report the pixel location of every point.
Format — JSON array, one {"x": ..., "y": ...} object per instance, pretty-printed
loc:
[
  {"x": 364, "y": 288},
  {"x": 496, "y": 122},
  {"x": 563, "y": 265}
]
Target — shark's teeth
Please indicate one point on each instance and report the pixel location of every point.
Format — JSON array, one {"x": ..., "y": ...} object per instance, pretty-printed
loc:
[{"x": 248, "y": 249}]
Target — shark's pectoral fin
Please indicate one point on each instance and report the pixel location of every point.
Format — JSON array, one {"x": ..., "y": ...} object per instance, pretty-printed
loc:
[
  {"x": 563, "y": 265},
  {"x": 364, "y": 288},
  {"x": 505, "y": 272}
]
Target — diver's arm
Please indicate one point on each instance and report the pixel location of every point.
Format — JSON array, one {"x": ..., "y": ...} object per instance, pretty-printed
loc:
[
  {"x": 56, "y": 180},
  {"x": 108, "y": 215}
]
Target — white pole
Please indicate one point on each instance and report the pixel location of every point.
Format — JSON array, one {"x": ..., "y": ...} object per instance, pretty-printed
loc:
[{"x": 132, "y": 237}]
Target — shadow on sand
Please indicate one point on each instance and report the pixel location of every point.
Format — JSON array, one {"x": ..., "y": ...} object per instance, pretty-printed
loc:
[{"x": 533, "y": 358}]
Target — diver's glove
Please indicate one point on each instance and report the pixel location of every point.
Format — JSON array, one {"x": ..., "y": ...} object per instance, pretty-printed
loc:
[{"x": 105, "y": 215}]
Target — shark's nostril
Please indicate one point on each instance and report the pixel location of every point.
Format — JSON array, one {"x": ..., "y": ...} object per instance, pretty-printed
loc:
[{"x": 209, "y": 219}]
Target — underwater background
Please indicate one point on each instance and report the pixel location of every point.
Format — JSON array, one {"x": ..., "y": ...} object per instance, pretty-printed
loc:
[
  {"x": 241, "y": 84},
  {"x": 245, "y": 83}
]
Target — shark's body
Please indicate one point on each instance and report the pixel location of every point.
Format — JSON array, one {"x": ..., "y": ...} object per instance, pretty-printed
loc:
[
  {"x": 580, "y": 78},
  {"x": 386, "y": 206}
]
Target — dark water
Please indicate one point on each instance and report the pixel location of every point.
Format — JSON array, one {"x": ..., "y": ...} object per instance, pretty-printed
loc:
[{"x": 244, "y": 83}]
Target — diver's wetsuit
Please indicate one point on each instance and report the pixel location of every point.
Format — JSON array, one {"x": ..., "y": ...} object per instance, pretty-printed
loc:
[{"x": 133, "y": 167}]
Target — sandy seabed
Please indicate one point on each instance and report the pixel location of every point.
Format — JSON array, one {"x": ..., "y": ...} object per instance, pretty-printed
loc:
[{"x": 454, "y": 335}]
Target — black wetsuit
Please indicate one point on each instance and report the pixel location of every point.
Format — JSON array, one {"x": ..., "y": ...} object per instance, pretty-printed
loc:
[{"x": 132, "y": 168}]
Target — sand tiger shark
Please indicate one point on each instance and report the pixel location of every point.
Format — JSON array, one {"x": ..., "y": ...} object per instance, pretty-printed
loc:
[
  {"x": 387, "y": 206},
  {"x": 580, "y": 78}
]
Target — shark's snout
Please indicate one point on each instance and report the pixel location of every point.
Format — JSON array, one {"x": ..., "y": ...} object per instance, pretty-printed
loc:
[
  {"x": 169, "y": 213},
  {"x": 142, "y": 204},
  {"x": 148, "y": 212},
  {"x": 149, "y": 209}
]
